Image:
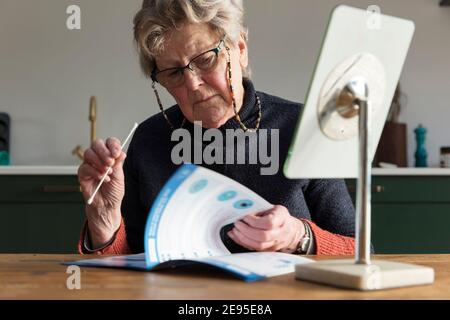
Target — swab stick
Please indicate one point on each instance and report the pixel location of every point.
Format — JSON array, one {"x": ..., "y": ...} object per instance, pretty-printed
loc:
[{"x": 91, "y": 199}]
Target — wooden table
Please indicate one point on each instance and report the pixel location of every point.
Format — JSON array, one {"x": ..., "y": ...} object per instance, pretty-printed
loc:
[{"x": 41, "y": 276}]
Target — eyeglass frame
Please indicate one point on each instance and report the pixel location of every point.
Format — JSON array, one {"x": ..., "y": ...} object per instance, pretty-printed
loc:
[{"x": 216, "y": 50}]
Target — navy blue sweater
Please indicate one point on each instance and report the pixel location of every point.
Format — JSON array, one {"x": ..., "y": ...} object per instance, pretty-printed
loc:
[{"x": 148, "y": 165}]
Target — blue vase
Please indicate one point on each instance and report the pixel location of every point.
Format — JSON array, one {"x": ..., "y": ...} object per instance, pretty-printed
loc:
[{"x": 421, "y": 153}]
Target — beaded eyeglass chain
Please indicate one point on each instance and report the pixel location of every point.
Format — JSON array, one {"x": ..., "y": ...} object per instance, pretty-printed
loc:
[{"x": 236, "y": 115}]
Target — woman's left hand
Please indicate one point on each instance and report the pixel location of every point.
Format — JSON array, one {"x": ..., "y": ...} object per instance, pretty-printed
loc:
[{"x": 271, "y": 230}]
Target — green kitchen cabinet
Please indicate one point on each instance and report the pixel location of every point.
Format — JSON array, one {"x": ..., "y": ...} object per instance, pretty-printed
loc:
[
  {"x": 40, "y": 213},
  {"x": 45, "y": 213},
  {"x": 410, "y": 214}
]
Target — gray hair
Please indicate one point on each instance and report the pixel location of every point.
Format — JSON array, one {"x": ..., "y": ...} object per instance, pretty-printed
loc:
[{"x": 157, "y": 18}]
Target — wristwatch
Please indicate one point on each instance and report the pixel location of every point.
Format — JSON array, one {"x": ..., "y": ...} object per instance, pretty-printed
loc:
[{"x": 305, "y": 241}]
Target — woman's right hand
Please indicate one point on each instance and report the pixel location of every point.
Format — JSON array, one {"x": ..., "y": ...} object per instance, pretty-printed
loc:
[{"x": 103, "y": 215}]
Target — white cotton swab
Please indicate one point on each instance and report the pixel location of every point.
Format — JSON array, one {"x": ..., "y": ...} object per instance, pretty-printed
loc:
[{"x": 91, "y": 199}]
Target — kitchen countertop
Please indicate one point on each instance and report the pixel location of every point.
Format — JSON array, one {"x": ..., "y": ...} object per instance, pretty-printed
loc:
[
  {"x": 72, "y": 170},
  {"x": 38, "y": 170},
  {"x": 411, "y": 171}
]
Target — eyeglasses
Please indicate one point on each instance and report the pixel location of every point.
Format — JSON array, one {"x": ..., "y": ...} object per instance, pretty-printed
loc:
[{"x": 202, "y": 64}]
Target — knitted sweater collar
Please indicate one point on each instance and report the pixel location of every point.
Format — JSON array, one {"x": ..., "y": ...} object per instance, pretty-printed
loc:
[{"x": 248, "y": 112}]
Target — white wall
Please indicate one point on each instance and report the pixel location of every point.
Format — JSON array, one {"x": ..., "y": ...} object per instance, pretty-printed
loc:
[{"x": 48, "y": 73}]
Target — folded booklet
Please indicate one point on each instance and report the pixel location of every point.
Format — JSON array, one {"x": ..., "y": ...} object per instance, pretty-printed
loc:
[{"x": 185, "y": 226}]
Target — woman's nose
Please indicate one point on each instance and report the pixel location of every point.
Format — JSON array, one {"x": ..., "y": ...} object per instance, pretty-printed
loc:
[{"x": 191, "y": 79}]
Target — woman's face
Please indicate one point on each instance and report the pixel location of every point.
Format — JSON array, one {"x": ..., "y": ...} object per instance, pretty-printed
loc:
[{"x": 204, "y": 97}]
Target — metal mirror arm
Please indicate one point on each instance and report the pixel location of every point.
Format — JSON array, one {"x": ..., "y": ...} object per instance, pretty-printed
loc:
[
  {"x": 352, "y": 101},
  {"x": 363, "y": 191}
]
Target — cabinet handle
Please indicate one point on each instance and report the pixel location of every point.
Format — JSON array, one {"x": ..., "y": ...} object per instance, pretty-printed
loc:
[
  {"x": 375, "y": 189},
  {"x": 61, "y": 189}
]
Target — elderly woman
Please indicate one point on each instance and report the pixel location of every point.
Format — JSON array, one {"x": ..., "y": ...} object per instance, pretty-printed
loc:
[{"x": 197, "y": 51}]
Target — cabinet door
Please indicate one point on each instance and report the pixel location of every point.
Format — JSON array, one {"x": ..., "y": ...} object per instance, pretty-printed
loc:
[
  {"x": 40, "y": 227},
  {"x": 411, "y": 227},
  {"x": 410, "y": 214}
]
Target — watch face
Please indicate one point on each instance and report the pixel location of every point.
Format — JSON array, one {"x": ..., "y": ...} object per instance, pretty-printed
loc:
[{"x": 304, "y": 244}]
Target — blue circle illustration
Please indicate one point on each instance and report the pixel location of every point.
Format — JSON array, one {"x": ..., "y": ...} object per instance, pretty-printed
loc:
[
  {"x": 227, "y": 195},
  {"x": 243, "y": 204},
  {"x": 198, "y": 185}
]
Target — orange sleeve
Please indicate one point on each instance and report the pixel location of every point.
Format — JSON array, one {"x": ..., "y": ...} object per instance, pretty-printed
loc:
[
  {"x": 118, "y": 246},
  {"x": 331, "y": 244},
  {"x": 327, "y": 243}
]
